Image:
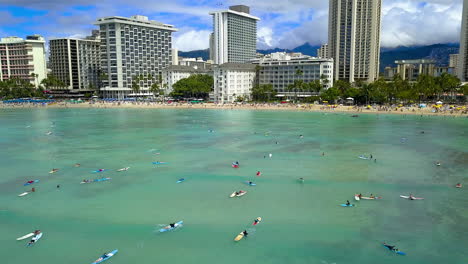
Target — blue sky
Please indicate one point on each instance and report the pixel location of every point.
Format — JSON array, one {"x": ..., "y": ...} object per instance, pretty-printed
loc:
[{"x": 284, "y": 23}]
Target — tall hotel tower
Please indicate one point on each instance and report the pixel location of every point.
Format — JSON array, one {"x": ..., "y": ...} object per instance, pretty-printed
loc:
[
  {"x": 133, "y": 50},
  {"x": 234, "y": 36},
  {"x": 463, "y": 58},
  {"x": 354, "y": 39}
]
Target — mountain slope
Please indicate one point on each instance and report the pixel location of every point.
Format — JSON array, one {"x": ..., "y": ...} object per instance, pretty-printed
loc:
[{"x": 438, "y": 52}]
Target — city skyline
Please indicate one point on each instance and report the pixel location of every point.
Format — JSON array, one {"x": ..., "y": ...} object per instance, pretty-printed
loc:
[{"x": 283, "y": 25}]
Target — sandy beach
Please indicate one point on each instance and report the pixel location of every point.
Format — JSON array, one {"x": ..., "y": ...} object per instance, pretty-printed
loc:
[{"x": 444, "y": 110}]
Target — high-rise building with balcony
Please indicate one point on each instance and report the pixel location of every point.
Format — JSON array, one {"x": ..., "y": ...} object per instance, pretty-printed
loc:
[
  {"x": 354, "y": 39},
  {"x": 23, "y": 59},
  {"x": 462, "y": 66},
  {"x": 133, "y": 53},
  {"x": 234, "y": 36},
  {"x": 76, "y": 62}
]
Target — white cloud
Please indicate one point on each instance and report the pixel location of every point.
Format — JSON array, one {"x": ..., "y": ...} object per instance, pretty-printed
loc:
[
  {"x": 409, "y": 24},
  {"x": 284, "y": 24},
  {"x": 264, "y": 38},
  {"x": 191, "y": 39}
]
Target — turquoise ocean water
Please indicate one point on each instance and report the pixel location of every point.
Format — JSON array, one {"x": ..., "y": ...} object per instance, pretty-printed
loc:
[{"x": 302, "y": 222}]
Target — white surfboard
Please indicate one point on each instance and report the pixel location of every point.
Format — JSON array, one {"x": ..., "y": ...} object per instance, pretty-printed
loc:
[
  {"x": 25, "y": 236},
  {"x": 23, "y": 194},
  {"x": 414, "y": 198},
  {"x": 356, "y": 197}
]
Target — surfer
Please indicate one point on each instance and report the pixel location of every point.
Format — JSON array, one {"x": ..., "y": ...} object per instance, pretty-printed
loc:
[
  {"x": 411, "y": 197},
  {"x": 370, "y": 156},
  {"x": 438, "y": 164},
  {"x": 301, "y": 179},
  {"x": 172, "y": 225},
  {"x": 259, "y": 173},
  {"x": 393, "y": 248},
  {"x": 301, "y": 136},
  {"x": 458, "y": 185},
  {"x": 348, "y": 203},
  {"x": 360, "y": 196},
  {"x": 245, "y": 233},
  {"x": 250, "y": 183},
  {"x": 34, "y": 239},
  {"x": 33, "y": 189},
  {"x": 58, "y": 186},
  {"x": 371, "y": 196},
  {"x": 256, "y": 221}
]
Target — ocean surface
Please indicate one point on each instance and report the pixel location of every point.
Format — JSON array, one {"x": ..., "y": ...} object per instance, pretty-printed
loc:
[{"x": 302, "y": 222}]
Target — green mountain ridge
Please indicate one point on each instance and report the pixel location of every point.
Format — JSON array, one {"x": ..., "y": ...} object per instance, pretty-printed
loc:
[{"x": 438, "y": 52}]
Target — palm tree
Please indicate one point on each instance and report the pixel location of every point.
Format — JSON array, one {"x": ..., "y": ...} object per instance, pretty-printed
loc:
[{"x": 35, "y": 76}]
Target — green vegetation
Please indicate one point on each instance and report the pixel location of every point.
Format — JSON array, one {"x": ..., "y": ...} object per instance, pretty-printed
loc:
[
  {"x": 263, "y": 92},
  {"x": 17, "y": 88},
  {"x": 198, "y": 85},
  {"x": 426, "y": 89}
]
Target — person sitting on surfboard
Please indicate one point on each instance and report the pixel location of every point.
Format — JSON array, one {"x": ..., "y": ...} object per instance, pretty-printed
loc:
[
  {"x": 347, "y": 202},
  {"x": 245, "y": 233},
  {"x": 172, "y": 225},
  {"x": 360, "y": 196}
]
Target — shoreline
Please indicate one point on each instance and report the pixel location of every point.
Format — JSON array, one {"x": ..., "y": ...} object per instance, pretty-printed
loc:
[{"x": 427, "y": 111}]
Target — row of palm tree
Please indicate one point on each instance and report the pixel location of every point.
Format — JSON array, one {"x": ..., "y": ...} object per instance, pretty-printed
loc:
[{"x": 156, "y": 87}]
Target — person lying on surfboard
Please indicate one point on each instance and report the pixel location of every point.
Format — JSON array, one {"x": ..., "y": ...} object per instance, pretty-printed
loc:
[
  {"x": 393, "y": 248},
  {"x": 245, "y": 233}
]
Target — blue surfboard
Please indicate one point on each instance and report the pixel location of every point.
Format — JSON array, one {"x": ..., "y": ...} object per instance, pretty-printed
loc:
[{"x": 169, "y": 228}]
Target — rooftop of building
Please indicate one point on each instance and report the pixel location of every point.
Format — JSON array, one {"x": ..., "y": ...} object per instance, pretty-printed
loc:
[
  {"x": 419, "y": 61},
  {"x": 240, "y": 10},
  {"x": 288, "y": 57},
  {"x": 237, "y": 66},
  {"x": 136, "y": 20},
  {"x": 184, "y": 69},
  {"x": 14, "y": 39}
]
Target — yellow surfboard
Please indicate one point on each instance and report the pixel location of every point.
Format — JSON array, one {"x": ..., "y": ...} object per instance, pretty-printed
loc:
[{"x": 239, "y": 237}]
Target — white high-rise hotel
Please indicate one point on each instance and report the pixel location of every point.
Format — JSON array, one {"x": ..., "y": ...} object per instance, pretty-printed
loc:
[
  {"x": 20, "y": 58},
  {"x": 463, "y": 58},
  {"x": 133, "y": 49},
  {"x": 234, "y": 37},
  {"x": 76, "y": 62},
  {"x": 354, "y": 39}
]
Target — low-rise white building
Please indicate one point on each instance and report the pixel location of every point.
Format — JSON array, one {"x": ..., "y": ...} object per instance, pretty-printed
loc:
[
  {"x": 281, "y": 69},
  {"x": 232, "y": 80},
  {"x": 20, "y": 58},
  {"x": 175, "y": 73},
  {"x": 197, "y": 63}
]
